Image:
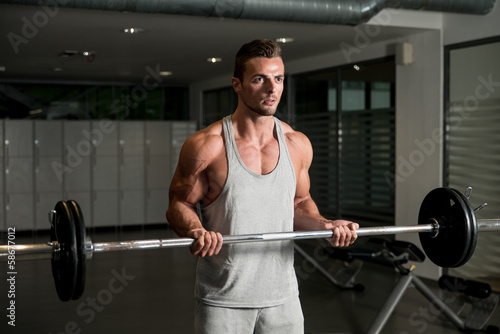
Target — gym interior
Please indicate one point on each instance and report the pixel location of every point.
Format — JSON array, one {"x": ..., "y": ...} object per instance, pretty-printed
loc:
[{"x": 397, "y": 99}]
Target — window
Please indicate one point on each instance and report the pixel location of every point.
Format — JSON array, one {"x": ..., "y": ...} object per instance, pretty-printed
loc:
[
  {"x": 472, "y": 146},
  {"x": 93, "y": 102},
  {"x": 348, "y": 114},
  {"x": 217, "y": 104}
]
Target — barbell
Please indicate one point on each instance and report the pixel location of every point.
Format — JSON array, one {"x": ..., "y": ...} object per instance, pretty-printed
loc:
[{"x": 447, "y": 228}]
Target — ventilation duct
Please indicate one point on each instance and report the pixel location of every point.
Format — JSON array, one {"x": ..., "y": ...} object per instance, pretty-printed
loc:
[{"x": 340, "y": 12}]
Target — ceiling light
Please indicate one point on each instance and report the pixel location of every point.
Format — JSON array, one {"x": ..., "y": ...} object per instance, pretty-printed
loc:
[
  {"x": 214, "y": 60},
  {"x": 165, "y": 73},
  {"x": 3, "y": 68},
  {"x": 36, "y": 111},
  {"x": 58, "y": 69},
  {"x": 133, "y": 30},
  {"x": 284, "y": 40}
]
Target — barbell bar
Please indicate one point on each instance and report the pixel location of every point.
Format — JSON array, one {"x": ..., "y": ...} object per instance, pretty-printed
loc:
[
  {"x": 47, "y": 250},
  {"x": 447, "y": 228}
]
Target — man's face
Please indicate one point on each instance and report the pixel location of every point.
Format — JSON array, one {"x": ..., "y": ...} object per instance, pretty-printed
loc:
[{"x": 262, "y": 85}]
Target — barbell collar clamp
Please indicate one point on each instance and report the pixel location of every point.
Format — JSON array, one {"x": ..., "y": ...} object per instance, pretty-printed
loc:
[
  {"x": 56, "y": 247},
  {"x": 89, "y": 248},
  {"x": 435, "y": 223}
]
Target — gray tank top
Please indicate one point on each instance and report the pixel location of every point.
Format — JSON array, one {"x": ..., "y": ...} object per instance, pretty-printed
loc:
[{"x": 250, "y": 274}]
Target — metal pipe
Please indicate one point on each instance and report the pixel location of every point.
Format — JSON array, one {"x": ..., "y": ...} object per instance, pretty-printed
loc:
[
  {"x": 392, "y": 301},
  {"x": 342, "y": 12},
  {"x": 436, "y": 301}
]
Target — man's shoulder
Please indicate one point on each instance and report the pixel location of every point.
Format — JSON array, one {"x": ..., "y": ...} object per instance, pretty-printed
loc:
[
  {"x": 205, "y": 141},
  {"x": 294, "y": 137},
  {"x": 298, "y": 145},
  {"x": 211, "y": 132}
]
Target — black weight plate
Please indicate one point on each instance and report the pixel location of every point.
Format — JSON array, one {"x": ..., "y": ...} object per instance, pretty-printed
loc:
[
  {"x": 473, "y": 238},
  {"x": 457, "y": 227},
  {"x": 64, "y": 265},
  {"x": 80, "y": 248}
]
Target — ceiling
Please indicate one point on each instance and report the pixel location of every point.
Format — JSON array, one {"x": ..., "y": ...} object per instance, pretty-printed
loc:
[{"x": 33, "y": 41}]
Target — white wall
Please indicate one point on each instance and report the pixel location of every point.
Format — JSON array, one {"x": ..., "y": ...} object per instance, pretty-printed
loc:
[
  {"x": 459, "y": 28},
  {"x": 419, "y": 124}
]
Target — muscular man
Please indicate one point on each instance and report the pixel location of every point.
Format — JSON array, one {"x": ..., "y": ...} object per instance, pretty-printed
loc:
[{"x": 249, "y": 173}]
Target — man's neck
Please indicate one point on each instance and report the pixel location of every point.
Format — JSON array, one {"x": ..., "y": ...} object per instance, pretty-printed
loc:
[{"x": 253, "y": 127}]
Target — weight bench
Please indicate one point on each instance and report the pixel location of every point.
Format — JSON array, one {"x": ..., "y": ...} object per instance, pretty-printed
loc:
[{"x": 467, "y": 304}]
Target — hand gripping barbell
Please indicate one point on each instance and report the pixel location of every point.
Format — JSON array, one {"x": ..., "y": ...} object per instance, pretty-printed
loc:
[{"x": 447, "y": 227}]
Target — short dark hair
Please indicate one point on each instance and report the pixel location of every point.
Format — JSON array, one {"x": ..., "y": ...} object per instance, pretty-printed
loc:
[{"x": 258, "y": 48}]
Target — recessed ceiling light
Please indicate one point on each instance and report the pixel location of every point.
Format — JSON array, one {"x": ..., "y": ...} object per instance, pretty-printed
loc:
[
  {"x": 133, "y": 30},
  {"x": 214, "y": 60},
  {"x": 165, "y": 73},
  {"x": 3, "y": 68},
  {"x": 58, "y": 69},
  {"x": 36, "y": 111},
  {"x": 284, "y": 40}
]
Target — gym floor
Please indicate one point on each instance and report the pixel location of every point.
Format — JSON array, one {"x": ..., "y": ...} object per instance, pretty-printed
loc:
[{"x": 152, "y": 292}]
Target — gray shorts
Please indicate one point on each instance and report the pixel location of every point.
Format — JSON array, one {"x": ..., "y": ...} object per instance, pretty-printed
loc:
[{"x": 282, "y": 319}]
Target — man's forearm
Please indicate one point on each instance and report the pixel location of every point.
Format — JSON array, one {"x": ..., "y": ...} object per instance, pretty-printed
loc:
[
  {"x": 183, "y": 219},
  {"x": 307, "y": 217}
]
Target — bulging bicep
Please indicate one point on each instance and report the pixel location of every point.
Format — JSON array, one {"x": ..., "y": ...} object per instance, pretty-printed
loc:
[
  {"x": 301, "y": 154},
  {"x": 189, "y": 183}
]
